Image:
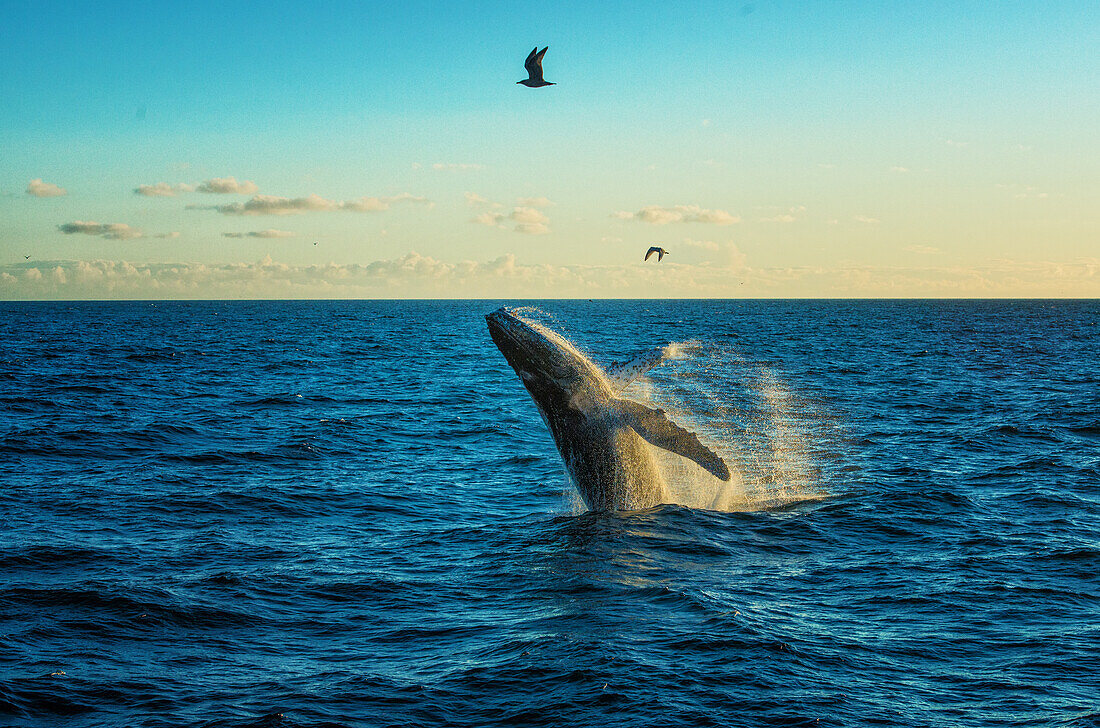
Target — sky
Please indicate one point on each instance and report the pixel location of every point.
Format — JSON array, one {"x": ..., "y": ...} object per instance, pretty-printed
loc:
[{"x": 383, "y": 150}]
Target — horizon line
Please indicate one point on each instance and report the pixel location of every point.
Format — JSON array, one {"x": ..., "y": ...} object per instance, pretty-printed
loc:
[{"x": 547, "y": 298}]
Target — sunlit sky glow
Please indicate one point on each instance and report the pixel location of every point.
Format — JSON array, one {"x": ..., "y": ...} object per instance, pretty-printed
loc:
[{"x": 776, "y": 149}]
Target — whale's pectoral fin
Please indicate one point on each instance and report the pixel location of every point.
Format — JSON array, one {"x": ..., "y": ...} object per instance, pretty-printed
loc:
[
  {"x": 655, "y": 427},
  {"x": 621, "y": 374}
]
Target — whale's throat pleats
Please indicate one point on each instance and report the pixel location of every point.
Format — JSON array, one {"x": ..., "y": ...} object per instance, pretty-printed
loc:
[{"x": 654, "y": 426}]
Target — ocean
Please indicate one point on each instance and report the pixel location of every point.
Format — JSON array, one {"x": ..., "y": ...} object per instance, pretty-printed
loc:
[{"x": 350, "y": 513}]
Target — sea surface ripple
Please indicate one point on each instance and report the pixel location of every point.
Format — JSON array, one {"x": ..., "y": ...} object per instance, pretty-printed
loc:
[{"x": 349, "y": 513}]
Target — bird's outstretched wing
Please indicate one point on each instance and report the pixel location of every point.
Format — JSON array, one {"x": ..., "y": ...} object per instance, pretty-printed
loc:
[
  {"x": 651, "y": 251},
  {"x": 533, "y": 64}
]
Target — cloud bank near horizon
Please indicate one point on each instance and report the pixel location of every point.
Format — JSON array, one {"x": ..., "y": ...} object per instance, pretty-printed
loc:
[{"x": 418, "y": 276}]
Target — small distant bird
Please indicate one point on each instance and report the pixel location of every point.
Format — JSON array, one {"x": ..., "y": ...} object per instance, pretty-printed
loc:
[
  {"x": 314, "y": 242},
  {"x": 26, "y": 257},
  {"x": 659, "y": 251},
  {"x": 533, "y": 64}
]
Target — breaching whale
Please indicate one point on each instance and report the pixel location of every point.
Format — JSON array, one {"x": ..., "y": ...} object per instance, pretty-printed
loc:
[{"x": 598, "y": 433}]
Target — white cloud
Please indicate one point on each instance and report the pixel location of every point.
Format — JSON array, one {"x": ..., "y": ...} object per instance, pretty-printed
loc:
[
  {"x": 407, "y": 197},
  {"x": 922, "y": 250},
  {"x": 363, "y": 204},
  {"x": 216, "y": 186},
  {"x": 109, "y": 230},
  {"x": 167, "y": 236},
  {"x": 376, "y": 204},
  {"x": 37, "y": 188},
  {"x": 227, "y": 186},
  {"x": 657, "y": 215},
  {"x": 865, "y": 219},
  {"x": 529, "y": 215},
  {"x": 272, "y": 205},
  {"x": 475, "y": 200},
  {"x": 532, "y": 228},
  {"x": 528, "y": 220},
  {"x": 899, "y": 170},
  {"x": 788, "y": 214},
  {"x": 269, "y": 233},
  {"x": 524, "y": 217},
  {"x": 163, "y": 189}
]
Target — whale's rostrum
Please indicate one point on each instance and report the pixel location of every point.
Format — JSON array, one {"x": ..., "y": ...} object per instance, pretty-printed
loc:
[{"x": 598, "y": 433}]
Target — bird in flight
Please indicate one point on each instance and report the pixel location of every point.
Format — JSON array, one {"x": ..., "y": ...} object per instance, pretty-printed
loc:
[
  {"x": 533, "y": 64},
  {"x": 659, "y": 251},
  {"x": 26, "y": 257}
]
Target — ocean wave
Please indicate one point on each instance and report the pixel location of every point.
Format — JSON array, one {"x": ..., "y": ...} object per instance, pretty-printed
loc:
[
  {"x": 192, "y": 543},
  {"x": 107, "y": 606}
]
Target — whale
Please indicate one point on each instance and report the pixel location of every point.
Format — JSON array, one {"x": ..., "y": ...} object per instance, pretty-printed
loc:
[{"x": 600, "y": 434}]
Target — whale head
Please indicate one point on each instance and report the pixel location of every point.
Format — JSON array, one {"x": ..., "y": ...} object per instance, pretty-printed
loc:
[{"x": 548, "y": 365}]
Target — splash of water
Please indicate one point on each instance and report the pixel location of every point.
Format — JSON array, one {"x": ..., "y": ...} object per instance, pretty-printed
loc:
[
  {"x": 744, "y": 411},
  {"x": 749, "y": 416}
]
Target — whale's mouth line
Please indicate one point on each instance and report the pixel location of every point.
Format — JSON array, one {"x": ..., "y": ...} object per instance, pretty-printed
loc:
[
  {"x": 504, "y": 322},
  {"x": 502, "y": 327}
]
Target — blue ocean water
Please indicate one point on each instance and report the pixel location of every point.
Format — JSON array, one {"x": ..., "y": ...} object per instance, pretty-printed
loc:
[{"x": 349, "y": 513}]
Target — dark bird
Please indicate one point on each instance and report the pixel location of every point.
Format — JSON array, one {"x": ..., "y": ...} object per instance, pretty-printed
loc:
[
  {"x": 659, "y": 251},
  {"x": 533, "y": 64},
  {"x": 26, "y": 257}
]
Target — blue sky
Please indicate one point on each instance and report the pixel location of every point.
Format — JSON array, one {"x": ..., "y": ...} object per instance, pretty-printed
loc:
[{"x": 775, "y": 148}]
